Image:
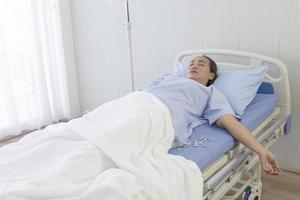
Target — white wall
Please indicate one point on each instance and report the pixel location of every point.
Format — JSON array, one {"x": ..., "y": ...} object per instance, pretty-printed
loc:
[
  {"x": 161, "y": 29},
  {"x": 101, "y": 46}
]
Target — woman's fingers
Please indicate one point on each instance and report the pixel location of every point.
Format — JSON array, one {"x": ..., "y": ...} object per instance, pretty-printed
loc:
[
  {"x": 269, "y": 164},
  {"x": 275, "y": 165},
  {"x": 271, "y": 169},
  {"x": 266, "y": 167}
]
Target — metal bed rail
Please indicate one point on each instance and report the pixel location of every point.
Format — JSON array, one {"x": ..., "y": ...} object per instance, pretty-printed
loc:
[{"x": 240, "y": 166}]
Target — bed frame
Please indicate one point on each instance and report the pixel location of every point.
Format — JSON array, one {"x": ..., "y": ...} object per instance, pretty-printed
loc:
[{"x": 239, "y": 172}]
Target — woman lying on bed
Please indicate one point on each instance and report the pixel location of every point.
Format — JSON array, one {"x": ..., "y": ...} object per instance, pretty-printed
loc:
[{"x": 193, "y": 101}]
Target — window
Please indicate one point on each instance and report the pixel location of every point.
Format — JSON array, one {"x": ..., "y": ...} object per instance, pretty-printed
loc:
[{"x": 33, "y": 84}]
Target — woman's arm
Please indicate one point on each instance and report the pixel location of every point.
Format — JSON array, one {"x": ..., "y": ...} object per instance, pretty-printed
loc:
[{"x": 242, "y": 134}]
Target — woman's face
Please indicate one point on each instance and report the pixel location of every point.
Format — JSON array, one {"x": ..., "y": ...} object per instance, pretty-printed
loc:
[{"x": 199, "y": 70}]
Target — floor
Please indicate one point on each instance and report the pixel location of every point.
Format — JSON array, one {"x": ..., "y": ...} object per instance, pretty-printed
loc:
[{"x": 283, "y": 187}]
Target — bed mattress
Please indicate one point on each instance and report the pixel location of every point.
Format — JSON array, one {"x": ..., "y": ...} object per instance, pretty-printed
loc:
[{"x": 210, "y": 142}]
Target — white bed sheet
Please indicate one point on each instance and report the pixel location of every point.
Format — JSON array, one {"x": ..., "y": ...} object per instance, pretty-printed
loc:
[{"x": 118, "y": 151}]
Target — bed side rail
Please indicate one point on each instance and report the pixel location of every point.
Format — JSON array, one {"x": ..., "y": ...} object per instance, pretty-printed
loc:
[{"x": 232, "y": 172}]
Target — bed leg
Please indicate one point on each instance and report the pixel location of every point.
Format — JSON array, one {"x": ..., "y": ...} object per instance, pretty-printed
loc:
[
  {"x": 253, "y": 191},
  {"x": 257, "y": 174}
]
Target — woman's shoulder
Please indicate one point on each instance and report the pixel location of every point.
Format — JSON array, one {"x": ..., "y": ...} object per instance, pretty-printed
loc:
[
  {"x": 216, "y": 92},
  {"x": 213, "y": 88}
]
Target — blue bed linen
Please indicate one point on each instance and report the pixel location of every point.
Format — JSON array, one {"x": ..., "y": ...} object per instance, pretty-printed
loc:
[{"x": 257, "y": 111}]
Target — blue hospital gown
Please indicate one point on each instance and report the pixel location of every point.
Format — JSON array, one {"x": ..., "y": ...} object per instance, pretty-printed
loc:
[{"x": 190, "y": 103}]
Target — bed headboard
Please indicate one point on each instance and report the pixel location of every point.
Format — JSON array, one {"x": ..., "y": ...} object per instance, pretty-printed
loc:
[{"x": 277, "y": 73}]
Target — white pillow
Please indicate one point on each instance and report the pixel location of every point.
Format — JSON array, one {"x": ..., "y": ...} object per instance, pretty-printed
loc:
[{"x": 240, "y": 86}]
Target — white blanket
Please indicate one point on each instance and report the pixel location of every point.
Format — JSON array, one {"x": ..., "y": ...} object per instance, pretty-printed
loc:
[{"x": 118, "y": 151}]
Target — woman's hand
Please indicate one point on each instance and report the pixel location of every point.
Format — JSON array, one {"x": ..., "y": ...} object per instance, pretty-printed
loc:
[
  {"x": 242, "y": 134},
  {"x": 269, "y": 163}
]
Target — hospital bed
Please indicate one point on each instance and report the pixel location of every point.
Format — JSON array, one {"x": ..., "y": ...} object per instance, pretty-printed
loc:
[{"x": 230, "y": 169}]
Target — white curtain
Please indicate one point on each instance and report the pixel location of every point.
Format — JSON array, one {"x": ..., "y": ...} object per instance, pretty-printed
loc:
[{"x": 33, "y": 85}]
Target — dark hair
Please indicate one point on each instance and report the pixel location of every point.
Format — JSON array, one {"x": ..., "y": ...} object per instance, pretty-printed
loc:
[{"x": 213, "y": 68}]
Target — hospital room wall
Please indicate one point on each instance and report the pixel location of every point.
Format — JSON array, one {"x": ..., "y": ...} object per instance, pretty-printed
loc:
[
  {"x": 101, "y": 51},
  {"x": 161, "y": 29}
]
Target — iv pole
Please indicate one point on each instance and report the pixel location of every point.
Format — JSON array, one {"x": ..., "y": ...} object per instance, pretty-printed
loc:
[{"x": 128, "y": 26}]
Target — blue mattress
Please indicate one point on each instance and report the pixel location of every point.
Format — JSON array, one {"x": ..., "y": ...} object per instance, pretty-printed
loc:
[{"x": 219, "y": 141}]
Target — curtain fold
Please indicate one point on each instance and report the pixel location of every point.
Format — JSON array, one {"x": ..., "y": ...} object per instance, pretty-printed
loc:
[{"x": 33, "y": 83}]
